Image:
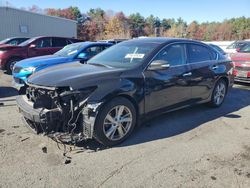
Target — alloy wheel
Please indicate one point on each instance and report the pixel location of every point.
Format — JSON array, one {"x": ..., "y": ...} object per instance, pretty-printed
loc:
[
  {"x": 220, "y": 93},
  {"x": 117, "y": 122}
]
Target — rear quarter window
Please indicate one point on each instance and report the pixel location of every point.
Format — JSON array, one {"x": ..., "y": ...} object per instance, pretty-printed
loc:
[
  {"x": 198, "y": 53},
  {"x": 43, "y": 43},
  {"x": 59, "y": 42}
]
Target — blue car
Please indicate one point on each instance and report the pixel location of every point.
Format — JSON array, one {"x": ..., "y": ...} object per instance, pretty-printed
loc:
[{"x": 81, "y": 51}]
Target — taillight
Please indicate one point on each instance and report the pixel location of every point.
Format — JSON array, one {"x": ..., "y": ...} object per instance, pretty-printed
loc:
[{"x": 235, "y": 72}]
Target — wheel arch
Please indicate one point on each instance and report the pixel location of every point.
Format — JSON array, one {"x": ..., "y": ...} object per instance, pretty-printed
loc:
[
  {"x": 126, "y": 96},
  {"x": 12, "y": 57},
  {"x": 225, "y": 79}
]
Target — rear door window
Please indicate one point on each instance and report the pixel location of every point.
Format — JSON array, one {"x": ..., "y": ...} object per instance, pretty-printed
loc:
[
  {"x": 59, "y": 42},
  {"x": 43, "y": 43},
  {"x": 198, "y": 53},
  {"x": 21, "y": 40}
]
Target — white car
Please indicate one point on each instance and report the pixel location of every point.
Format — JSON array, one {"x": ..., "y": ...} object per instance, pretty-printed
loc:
[{"x": 235, "y": 46}]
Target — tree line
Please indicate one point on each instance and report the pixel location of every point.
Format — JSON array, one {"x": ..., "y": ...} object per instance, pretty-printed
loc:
[{"x": 98, "y": 24}]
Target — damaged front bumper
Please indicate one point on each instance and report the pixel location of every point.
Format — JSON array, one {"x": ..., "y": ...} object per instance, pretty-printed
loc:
[
  {"x": 37, "y": 116},
  {"x": 53, "y": 121}
]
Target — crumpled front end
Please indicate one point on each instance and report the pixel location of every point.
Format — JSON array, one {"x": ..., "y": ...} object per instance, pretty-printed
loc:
[{"x": 59, "y": 112}]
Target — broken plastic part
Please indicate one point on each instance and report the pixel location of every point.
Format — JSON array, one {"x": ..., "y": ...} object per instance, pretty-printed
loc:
[{"x": 94, "y": 106}]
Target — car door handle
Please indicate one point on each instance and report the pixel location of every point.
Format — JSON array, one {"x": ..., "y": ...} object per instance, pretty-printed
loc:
[
  {"x": 187, "y": 74},
  {"x": 215, "y": 67}
]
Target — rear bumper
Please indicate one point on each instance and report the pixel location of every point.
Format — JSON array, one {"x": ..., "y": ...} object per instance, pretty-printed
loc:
[{"x": 241, "y": 79}]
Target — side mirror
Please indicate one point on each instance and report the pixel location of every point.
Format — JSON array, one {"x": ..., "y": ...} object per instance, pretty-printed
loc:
[
  {"x": 237, "y": 49},
  {"x": 32, "y": 46},
  {"x": 82, "y": 57},
  {"x": 158, "y": 65}
]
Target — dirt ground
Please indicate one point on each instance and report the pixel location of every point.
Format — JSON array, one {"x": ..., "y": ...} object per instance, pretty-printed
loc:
[{"x": 194, "y": 147}]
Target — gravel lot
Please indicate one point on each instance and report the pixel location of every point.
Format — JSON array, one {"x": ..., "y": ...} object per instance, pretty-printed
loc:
[{"x": 194, "y": 147}]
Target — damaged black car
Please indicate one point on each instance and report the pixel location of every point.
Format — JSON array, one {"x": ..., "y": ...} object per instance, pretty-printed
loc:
[{"x": 122, "y": 87}]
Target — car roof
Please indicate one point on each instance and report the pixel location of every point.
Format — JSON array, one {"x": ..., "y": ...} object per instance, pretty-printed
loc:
[
  {"x": 93, "y": 43},
  {"x": 161, "y": 40},
  {"x": 242, "y": 41},
  {"x": 18, "y": 38},
  {"x": 38, "y": 37}
]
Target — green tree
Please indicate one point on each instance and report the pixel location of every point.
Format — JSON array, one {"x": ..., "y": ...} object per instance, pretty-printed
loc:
[
  {"x": 137, "y": 24},
  {"x": 167, "y": 23}
]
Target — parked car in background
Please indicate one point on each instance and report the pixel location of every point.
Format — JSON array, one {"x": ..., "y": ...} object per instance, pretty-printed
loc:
[
  {"x": 235, "y": 46},
  {"x": 113, "y": 41},
  {"x": 33, "y": 47},
  {"x": 14, "y": 41},
  {"x": 242, "y": 64},
  {"x": 219, "y": 49},
  {"x": 81, "y": 51},
  {"x": 123, "y": 86}
]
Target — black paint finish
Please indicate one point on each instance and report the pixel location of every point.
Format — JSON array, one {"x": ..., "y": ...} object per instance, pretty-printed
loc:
[{"x": 151, "y": 91}]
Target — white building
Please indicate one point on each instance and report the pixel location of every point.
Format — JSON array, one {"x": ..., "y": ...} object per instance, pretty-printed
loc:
[{"x": 20, "y": 23}]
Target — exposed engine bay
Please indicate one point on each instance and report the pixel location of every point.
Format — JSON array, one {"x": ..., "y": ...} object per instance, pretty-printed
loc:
[{"x": 59, "y": 113}]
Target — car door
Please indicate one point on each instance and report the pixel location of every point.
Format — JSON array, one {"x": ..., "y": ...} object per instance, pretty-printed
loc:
[
  {"x": 58, "y": 44},
  {"x": 169, "y": 87},
  {"x": 203, "y": 64},
  {"x": 40, "y": 47}
]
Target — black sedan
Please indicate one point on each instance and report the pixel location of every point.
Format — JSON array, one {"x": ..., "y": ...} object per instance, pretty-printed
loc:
[{"x": 124, "y": 86}]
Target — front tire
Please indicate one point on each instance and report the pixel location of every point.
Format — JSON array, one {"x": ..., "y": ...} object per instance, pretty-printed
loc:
[
  {"x": 115, "y": 122},
  {"x": 11, "y": 63},
  {"x": 219, "y": 94}
]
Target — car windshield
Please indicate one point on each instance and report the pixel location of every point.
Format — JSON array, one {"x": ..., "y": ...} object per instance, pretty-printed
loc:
[
  {"x": 245, "y": 49},
  {"x": 27, "y": 42},
  {"x": 70, "y": 50},
  {"x": 126, "y": 54},
  {"x": 232, "y": 46},
  {"x": 4, "y": 41}
]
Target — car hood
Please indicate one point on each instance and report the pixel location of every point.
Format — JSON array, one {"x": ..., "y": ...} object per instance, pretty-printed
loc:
[
  {"x": 74, "y": 75},
  {"x": 8, "y": 47},
  {"x": 42, "y": 61},
  {"x": 241, "y": 57}
]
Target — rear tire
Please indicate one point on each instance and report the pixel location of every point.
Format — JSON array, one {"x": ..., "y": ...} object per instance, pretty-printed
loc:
[
  {"x": 219, "y": 94},
  {"x": 115, "y": 122},
  {"x": 10, "y": 64}
]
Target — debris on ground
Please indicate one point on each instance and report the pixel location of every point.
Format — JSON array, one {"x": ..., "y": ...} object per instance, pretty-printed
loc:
[
  {"x": 213, "y": 178},
  {"x": 25, "y": 139},
  {"x": 15, "y": 127},
  {"x": 44, "y": 149},
  {"x": 67, "y": 161}
]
